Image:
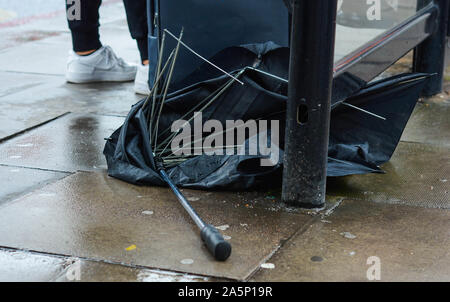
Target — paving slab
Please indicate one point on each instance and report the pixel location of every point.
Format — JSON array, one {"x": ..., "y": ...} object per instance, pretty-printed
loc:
[
  {"x": 27, "y": 100},
  {"x": 23, "y": 266},
  {"x": 412, "y": 244},
  {"x": 18, "y": 266},
  {"x": 15, "y": 37},
  {"x": 36, "y": 57},
  {"x": 430, "y": 124},
  {"x": 417, "y": 175},
  {"x": 49, "y": 55},
  {"x": 35, "y": 27},
  {"x": 71, "y": 143},
  {"x": 93, "y": 216},
  {"x": 19, "y": 181},
  {"x": 93, "y": 271},
  {"x": 21, "y": 109}
]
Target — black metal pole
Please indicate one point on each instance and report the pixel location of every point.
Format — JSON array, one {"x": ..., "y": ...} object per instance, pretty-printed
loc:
[
  {"x": 308, "y": 107},
  {"x": 429, "y": 57}
]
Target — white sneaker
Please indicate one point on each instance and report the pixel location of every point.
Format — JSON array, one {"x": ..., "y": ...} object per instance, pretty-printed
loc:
[
  {"x": 141, "y": 81},
  {"x": 101, "y": 66}
]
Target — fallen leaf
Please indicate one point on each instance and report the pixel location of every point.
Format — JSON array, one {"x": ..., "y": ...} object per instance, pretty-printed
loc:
[{"x": 131, "y": 248}]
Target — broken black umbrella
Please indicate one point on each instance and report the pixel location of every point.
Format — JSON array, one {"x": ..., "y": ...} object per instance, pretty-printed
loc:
[{"x": 214, "y": 241}]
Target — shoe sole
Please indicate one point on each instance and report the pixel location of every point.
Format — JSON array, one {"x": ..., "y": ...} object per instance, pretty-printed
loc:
[
  {"x": 141, "y": 90},
  {"x": 82, "y": 78}
]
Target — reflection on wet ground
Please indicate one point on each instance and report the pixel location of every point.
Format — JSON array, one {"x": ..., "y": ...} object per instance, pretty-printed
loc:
[
  {"x": 25, "y": 266},
  {"x": 411, "y": 243},
  {"x": 93, "y": 216},
  {"x": 115, "y": 231},
  {"x": 71, "y": 143}
]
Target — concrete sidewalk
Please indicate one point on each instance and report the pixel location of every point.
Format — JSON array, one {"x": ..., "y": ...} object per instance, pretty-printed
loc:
[{"x": 61, "y": 214}]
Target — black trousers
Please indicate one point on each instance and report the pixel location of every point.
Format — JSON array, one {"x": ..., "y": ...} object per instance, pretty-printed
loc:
[{"x": 85, "y": 32}]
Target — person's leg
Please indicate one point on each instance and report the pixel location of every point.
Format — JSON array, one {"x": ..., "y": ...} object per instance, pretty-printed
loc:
[
  {"x": 90, "y": 61},
  {"x": 85, "y": 32},
  {"x": 137, "y": 23}
]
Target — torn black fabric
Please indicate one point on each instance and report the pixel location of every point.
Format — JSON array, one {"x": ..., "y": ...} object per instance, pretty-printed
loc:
[{"x": 359, "y": 142}]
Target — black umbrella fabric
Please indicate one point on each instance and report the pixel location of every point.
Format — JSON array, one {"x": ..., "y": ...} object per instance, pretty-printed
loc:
[{"x": 359, "y": 142}]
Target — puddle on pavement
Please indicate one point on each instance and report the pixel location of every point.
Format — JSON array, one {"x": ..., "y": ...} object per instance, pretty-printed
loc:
[
  {"x": 18, "y": 266},
  {"x": 97, "y": 217},
  {"x": 71, "y": 143},
  {"x": 16, "y": 182}
]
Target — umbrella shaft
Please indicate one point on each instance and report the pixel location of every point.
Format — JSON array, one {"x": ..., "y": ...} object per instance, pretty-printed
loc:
[{"x": 186, "y": 205}]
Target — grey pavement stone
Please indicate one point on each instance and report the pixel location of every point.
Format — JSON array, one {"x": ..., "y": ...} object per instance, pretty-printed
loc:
[
  {"x": 417, "y": 175},
  {"x": 24, "y": 266},
  {"x": 18, "y": 181},
  {"x": 71, "y": 143},
  {"x": 93, "y": 216},
  {"x": 430, "y": 123},
  {"x": 18, "y": 266},
  {"x": 412, "y": 244}
]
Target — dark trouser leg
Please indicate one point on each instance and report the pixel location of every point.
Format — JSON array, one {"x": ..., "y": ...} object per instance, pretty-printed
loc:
[
  {"x": 85, "y": 34},
  {"x": 137, "y": 23}
]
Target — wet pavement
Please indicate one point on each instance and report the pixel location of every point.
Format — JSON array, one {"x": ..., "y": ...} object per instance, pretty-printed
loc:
[
  {"x": 93, "y": 216},
  {"x": 19, "y": 266},
  {"x": 418, "y": 174},
  {"x": 71, "y": 143},
  {"x": 25, "y": 266},
  {"x": 17, "y": 181},
  {"x": 60, "y": 214},
  {"x": 412, "y": 244},
  {"x": 430, "y": 123}
]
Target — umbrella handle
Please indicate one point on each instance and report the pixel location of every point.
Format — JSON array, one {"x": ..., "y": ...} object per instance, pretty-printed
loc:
[{"x": 215, "y": 243}]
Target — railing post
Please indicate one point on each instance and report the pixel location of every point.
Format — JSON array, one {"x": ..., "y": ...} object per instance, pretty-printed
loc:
[
  {"x": 429, "y": 57},
  {"x": 308, "y": 108}
]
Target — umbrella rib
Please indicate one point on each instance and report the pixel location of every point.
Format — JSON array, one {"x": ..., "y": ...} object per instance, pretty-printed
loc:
[
  {"x": 340, "y": 161},
  {"x": 344, "y": 103},
  {"x": 203, "y": 58},
  {"x": 172, "y": 136},
  {"x": 215, "y": 134},
  {"x": 159, "y": 77},
  {"x": 166, "y": 88},
  {"x": 228, "y": 85},
  {"x": 157, "y": 70},
  {"x": 155, "y": 88},
  {"x": 195, "y": 108},
  {"x": 267, "y": 74},
  {"x": 227, "y": 130},
  {"x": 150, "y": 114},
  {"x": 363, "y": 110}
]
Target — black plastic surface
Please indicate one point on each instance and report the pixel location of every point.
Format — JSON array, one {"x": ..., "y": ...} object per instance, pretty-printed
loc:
[
  {"x": 211, "y": 26},
  {"x": 218, "y": 247}
]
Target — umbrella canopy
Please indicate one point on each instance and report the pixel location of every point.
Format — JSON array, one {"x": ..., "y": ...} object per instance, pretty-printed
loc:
[{"x": 365, "y": 129}]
